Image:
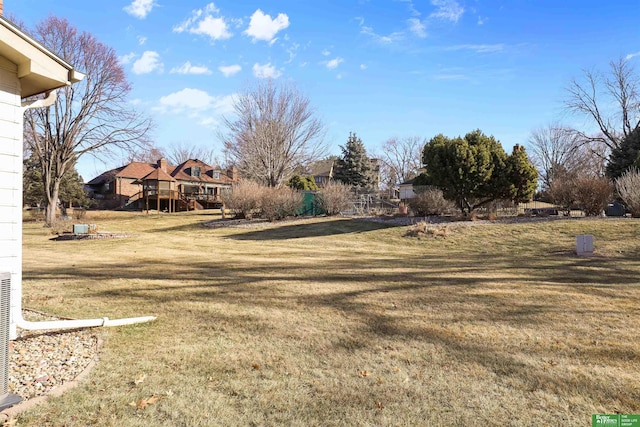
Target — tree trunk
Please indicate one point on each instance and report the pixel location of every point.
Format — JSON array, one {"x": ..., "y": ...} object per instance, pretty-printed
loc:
[{"x": 52, "y": 199}]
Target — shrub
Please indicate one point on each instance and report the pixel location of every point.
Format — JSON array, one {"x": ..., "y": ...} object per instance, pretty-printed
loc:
[
  {"x": 628, "y": 188},
  {"x": 79, "y": 213},
  {"x": 430, "y": 201},
  {"x": 334, "y": 198},
  {"x": 562, "y": 192},
  {"x": 61, "y": 226},
  {"x": 245, "y": 199},
  {"x": 279, "y": 203},
  {"x": 593, "y": 194},
  {"x": 300, "y": 182}
]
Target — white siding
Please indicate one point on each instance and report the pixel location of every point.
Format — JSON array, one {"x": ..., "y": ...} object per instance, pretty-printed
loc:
[
  {"x": 406, "y": 192},
  {"x": 11, "y": 181}
]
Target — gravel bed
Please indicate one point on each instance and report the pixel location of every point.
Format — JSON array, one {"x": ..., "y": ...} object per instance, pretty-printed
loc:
[
  {"x": 40, "y": 361},
  {"x": 71, "y": 236}
]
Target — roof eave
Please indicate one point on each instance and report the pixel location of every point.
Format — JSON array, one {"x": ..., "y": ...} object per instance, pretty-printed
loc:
[{"x": 39, "y": 69}]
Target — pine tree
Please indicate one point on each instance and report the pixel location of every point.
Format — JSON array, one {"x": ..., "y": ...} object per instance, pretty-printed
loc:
[
  {"x": 626, "y": 156},
  {"x": 354, "y": 168},
  {"x": 33, "y": 192}
]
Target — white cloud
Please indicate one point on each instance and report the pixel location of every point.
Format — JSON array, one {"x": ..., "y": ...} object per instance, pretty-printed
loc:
[
  {"x": 229, "y": 70},
  {"x": 368, "y": 31},
  {"x": 203, "y": 22},
  {"x": 334, "y": 63},
  {"x": 264, "y": 71},
  {"x": 292, "y": 51},
  {"x": 412, "y": 8},
  {"x": 142, "y": 40},
  {"x": 140, "y": 8},
  {"x": 187, "y": 99},
  {"x": 148, "y": 62},
  {"x": 363, "y": 66},
  {"x": 187, "y": 68},
  {"x": 263, "y": 27},
  {"x": 326, "y": 52},
  {"x": 197, "y": 104},
  {"x": 417, "y": 27},
  {"x": 478, "y": 48},
  {"x": 481, "y": 20},
  {"x": 448, "y": 10},
  {"x": 391, "y": 38},
  {"x": 632, "y": 55},
  {"x": 126, "y": 59}
]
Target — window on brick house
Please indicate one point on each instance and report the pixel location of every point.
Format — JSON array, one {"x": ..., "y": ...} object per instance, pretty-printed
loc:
[{"x": 195, "y": 171}]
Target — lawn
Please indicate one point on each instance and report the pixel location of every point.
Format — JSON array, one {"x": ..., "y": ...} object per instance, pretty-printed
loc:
[{"x": 344, "y": 322}]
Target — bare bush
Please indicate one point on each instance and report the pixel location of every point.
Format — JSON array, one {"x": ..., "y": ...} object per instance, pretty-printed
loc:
[
  {"x": 422, "y": 229},
  {"x": 279, "y": 203},
  {"x": 245, "y": 199},
  {"x": 628, "y": 188},
  {"x": 334, "y": 197},
  {"x": 562, "y": 192},
  {"x": 430, "y": 201},
  {"x": 593, "y": 193}
]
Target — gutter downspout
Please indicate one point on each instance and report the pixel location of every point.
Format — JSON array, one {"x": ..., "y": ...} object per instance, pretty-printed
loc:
[{"x": 19, "y": 321}]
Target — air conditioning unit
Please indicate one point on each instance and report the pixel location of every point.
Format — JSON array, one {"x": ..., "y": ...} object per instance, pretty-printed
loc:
[{"x": 6, "y": 399}]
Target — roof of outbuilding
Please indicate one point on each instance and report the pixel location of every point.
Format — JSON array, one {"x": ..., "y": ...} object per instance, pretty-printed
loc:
[{"x": 158, "y": 175}]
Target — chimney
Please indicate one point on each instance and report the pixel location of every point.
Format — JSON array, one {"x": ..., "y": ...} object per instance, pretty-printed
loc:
[
  {"x": 1, "y": 8},
  {"x": 162, "y": 163}
]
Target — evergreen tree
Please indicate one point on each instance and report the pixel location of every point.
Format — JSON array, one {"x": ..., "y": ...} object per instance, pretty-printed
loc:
[
  {"x": 33, "y": 192},
  {"x": 626, "y": 156},
  {"x": 354, "y": 168},
  {"x": 475, "y": 170},
  {"x": 522, "y": 175},
  {"x": 303, "y": 183}
]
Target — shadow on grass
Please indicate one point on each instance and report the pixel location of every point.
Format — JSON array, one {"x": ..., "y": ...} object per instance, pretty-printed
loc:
[
  {"x": 367, "y": 292},
  {"x": 318, "y": 229}
]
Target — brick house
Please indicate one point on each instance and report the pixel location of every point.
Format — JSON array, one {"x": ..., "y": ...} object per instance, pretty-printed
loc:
[{"x": 189, "y": 186}]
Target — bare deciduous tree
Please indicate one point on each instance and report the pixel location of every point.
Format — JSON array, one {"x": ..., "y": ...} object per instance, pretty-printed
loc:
[
  {"x": 274, "y": 131},
  {"x": 558, "y": 152},
  {"x": 181, "y": 152},
  {"x": 92, "y": 116},
  {"x": 554, "y": 150},
  {"x": 611, "y": 101},
  {"x": 402, "y": 158},
  {"x": 149, "y": 155}
]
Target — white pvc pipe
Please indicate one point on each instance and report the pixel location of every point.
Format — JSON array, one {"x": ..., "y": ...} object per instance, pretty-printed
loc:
[
  {"x": 47, "y": 101},
  {"x": 84, "y": 323}
]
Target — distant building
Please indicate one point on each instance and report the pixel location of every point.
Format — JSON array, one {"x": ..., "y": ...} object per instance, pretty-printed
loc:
[
  {"x": 189, "y": 186},
  {"x": 322, "y": 172},
  {"x": 407, "y": 190}
]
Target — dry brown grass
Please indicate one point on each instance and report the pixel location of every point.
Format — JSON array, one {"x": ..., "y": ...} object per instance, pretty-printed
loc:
[{"x": 341, "y": 322}]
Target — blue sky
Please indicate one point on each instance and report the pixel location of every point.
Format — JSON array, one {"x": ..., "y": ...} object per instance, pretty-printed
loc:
[{"x": 381, "y": 68}]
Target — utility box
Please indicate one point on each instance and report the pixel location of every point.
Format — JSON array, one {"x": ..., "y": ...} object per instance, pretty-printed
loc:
[
  {"x": 584, "y": 244},
  {"x": 6, "y": 399},
  {"x": 84, "y": 228}
]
